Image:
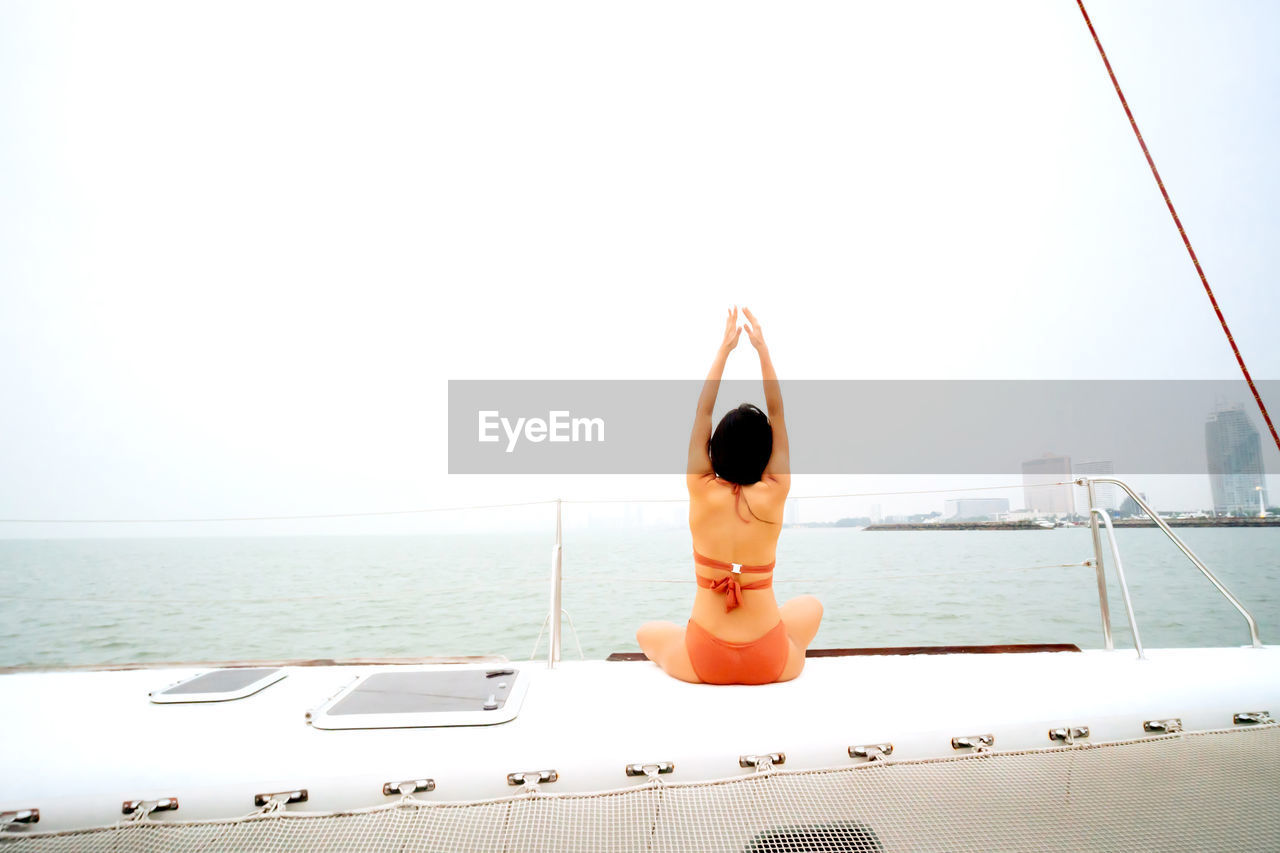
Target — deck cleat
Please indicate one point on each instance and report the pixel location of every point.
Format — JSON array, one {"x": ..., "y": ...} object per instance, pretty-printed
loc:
[
  {"x": 1173, "y": 725},
  {"x": 652, "y": 769},
  {"x": 408, "y": 787},
  {"x": 26, "y": 816},
  {"x": 277, "y": 801},
  {"x": 1260, "y": 718},
  {"x": 530, "y": 779},
  {"x": 872, "y": 751},
  {"x": 762, "y": 763},
  {"x": 1068, "y": 734},
  {"x": 978, "y": 743},
  {"x": 140, "y": 809}
]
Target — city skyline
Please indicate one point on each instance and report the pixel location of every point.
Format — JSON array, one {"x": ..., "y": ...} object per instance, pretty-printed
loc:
[
  {"x": 974, "y": 507},
  {"x": 1104, "y": 493},
  {"x": 1043, "y": 498},
  {"x": 1233, "y": 449}
]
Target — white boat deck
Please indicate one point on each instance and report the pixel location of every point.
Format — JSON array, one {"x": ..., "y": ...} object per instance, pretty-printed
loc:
[{"x": 77, "y": 744}]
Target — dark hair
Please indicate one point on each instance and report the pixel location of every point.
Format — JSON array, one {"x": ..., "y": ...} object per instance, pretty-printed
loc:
[{"x": 741, "y": 445}]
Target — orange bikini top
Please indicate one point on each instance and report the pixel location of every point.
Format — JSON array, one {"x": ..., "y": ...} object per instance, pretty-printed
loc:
[{"x": 729, "y": 585}]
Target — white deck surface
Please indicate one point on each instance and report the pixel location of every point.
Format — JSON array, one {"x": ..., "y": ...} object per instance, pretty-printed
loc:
[{"x": 77, "y": 744}]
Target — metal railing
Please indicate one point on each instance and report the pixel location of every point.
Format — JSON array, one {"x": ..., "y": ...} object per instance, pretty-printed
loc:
[
  {"x": 1103, "y": 605},
  {"x": 1095, "y": 513}
]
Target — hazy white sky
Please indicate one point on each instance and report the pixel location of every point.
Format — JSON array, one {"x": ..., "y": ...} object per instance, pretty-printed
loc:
[{"x": 243, "y": 246}]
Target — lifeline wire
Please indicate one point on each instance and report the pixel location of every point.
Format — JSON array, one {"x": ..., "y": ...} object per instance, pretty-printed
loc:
[
  {"x": 380, "y": 596},
  {"x": 842, "y": 495},
  {"x": 488, "y": 506},
  {"x": 267, "y": 517},
  {"x": 876, "y": 578}
]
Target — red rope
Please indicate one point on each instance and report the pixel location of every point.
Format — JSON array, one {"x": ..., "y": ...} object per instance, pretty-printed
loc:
[{"x": 1186, "y": 241}]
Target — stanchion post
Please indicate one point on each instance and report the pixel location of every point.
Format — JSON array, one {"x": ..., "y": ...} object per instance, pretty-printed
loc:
[
  {"x": 1098, "y": 566},
  {"x": 553, "y": 651}
]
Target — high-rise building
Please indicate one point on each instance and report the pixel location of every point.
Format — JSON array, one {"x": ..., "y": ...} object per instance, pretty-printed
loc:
[
  {"x": 1105, "y": 493},
  {"x": 1234, "y": 451},
  {"x": 1130, "y": 508},
  {"x": 975, "y": 507},
  {"x": 1052, "y": 500}
]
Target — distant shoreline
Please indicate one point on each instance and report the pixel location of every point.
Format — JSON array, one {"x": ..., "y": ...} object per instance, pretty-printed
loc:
[{"x": 1031, "y": 525}]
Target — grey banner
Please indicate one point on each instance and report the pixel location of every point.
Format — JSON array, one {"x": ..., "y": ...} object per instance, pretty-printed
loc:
[{"x": 863, "y": 426}]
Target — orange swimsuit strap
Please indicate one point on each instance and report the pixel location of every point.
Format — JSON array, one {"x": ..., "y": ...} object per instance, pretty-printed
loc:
[
  {"x": 737, "y": 500},
  {"x": 729, "y": 585}
]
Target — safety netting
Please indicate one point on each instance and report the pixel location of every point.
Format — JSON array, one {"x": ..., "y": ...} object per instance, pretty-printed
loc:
[{"x": 1191, "y": 791}]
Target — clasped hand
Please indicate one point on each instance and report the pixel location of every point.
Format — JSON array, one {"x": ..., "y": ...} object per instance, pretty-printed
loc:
[{"x": 732, "y": 330}]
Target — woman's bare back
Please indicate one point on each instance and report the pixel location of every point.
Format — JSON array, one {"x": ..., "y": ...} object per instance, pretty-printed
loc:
[{"x": 735, "y": 524}]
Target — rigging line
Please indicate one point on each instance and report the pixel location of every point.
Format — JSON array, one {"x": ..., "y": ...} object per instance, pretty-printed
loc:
[
  {"x": 264, "y": 599},
  {"x": 881, "y": 577},
  {"x": 385, "y": 597},
  {"x": 844, "y": 495},
  {"x": 267, "y": 517},
  {"x": 935, "y": 491},
  {"x": 1186, "y": 241}
]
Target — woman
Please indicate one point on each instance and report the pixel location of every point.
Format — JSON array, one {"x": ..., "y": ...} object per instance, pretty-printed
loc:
[{"x": 738, "y": 481}]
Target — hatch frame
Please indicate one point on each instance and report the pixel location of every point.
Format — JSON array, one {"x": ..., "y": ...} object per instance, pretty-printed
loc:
[
  {"x": 268, "y": 678},
  {"x": 320, "y": 717}
]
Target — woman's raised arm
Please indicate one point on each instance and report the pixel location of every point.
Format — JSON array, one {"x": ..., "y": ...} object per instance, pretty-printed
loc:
[
  {"x": 699, "y": 459},
  {"x": 779, "y": 466}
]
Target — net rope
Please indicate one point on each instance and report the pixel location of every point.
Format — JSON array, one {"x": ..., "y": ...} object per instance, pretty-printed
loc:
[{"x": 1192, "y": 791}]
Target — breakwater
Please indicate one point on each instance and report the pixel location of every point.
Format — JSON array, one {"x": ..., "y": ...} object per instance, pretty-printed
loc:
[{"x": 1120, "y": 522}]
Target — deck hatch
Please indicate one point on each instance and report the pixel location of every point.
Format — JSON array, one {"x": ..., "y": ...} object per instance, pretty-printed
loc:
[
  {"x": 220, "y": 685},
  {"x": 450, "y": 696}
]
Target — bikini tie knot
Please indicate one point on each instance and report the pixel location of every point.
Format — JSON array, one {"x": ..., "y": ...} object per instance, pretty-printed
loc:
[{"x": 732, "y": 590}]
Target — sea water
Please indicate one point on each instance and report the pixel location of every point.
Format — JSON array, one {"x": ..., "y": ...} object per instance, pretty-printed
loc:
[{"x": 91, "y": 601}]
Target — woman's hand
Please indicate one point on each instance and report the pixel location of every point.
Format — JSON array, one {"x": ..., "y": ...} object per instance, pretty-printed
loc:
[
  {"x": 731, "y": 331},
  {"x": 754, "y": 333}
]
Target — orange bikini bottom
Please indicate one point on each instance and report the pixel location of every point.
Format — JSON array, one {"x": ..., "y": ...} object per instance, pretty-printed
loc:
[{"x": 718, "y": 661}]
